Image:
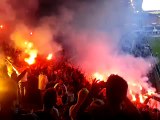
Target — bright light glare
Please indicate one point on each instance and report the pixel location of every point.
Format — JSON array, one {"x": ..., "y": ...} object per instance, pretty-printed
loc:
[
  {"x": 151, "y": 5},
  {"x": 49, "y": 57},
  {"x": 98, "y": 76},
  {"x": 1, "y": 26}
]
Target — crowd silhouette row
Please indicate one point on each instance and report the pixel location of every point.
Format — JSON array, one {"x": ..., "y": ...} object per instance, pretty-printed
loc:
[{"x": 64, "y": 93}]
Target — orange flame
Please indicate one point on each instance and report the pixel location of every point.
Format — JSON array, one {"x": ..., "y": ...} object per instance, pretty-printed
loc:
[
  {"x": 141, "y": 98},
  {"x": 98, "y": 76},
  {"x": 49, "y": 57},
  {"x": 132, "y": 95},
  {"x": 31, "y": 52}
]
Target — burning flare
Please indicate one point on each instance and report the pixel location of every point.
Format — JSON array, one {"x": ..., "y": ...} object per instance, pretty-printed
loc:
[
  {"x": 1, "y": 26},
  {"x": 98, "y": 76},
  {"x": 136, "y": 93},
  {"x": 11, "y": 68},
  {"x": 50, "y": 56},
  {"x": 31, "y": 52}
]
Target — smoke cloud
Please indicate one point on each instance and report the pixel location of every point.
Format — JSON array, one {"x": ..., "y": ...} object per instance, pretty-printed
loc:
[{"x": 90, "y": 31}]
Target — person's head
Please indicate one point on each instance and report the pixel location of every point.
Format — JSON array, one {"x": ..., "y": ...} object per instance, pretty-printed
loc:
[
  {"x": 82, "y": 94},
  {"x": 61, "y": 89},
  {"x": 50, "y": 98},
  {"x": 116, "y": 89}
]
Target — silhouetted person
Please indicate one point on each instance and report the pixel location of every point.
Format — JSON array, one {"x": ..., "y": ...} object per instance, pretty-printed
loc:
[
  {"x": 49, "y": 111},
  {"x": 113, "y": 107},
  {"x": 82, "y": 94},
  {"x": 116, "y": 94}
]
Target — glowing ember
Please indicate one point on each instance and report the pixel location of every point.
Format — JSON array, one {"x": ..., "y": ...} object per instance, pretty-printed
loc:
[
  {"x": 1, "y": 26},
  {"x": 98, "y": 76},
  {"x": 49, "y": 57},
  {"x": 31, "y": 52},
  {"x": 31, "y": 33}
]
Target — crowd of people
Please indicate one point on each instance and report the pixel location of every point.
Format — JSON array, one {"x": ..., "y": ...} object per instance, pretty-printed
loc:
[{"x": 62, "y": 92}]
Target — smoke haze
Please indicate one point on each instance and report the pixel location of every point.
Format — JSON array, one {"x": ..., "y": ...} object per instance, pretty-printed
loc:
[{"x": 90, "y": 31}]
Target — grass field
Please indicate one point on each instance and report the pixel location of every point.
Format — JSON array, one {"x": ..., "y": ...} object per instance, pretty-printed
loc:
[{"x": 155, "y": 46}]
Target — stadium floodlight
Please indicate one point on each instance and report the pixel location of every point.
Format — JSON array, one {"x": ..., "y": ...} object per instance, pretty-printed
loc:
[{"x": 151, "y": 5}]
